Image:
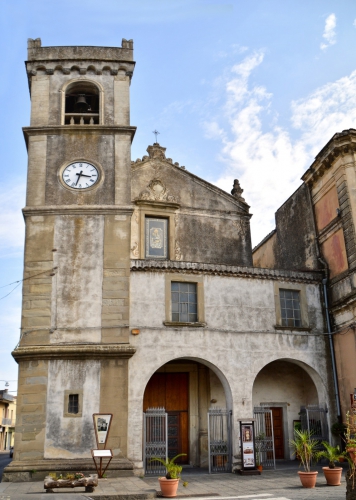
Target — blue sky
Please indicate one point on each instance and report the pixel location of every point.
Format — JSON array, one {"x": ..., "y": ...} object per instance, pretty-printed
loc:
[{"x": 237, "y": 89}]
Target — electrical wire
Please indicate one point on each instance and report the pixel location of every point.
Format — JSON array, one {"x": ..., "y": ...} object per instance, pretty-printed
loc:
[{"x": 24, "y": 279}]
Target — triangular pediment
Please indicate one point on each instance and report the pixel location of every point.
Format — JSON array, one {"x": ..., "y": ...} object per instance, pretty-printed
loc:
[{"x": 158, "y": 179}]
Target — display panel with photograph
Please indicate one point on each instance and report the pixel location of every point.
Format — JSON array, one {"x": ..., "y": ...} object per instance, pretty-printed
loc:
[{"x": 102, "y": 422}]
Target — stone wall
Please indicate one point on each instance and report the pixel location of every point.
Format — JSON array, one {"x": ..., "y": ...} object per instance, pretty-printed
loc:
[{"x": 293, "y": 243}]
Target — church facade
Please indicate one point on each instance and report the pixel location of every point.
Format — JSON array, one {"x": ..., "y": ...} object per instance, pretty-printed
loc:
[{"x": 141, "y": 290}]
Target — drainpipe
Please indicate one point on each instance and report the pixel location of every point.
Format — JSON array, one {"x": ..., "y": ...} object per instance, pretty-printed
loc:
[{"x": 331, "y": 343}]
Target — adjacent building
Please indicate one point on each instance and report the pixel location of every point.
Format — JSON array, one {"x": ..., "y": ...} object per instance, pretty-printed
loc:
[
  {"x": 315, "y": 229},
  {"x": 8, "y": 419}
]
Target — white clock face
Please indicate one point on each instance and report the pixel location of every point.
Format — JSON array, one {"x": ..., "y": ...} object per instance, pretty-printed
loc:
[{"x": 80, "y": 175}]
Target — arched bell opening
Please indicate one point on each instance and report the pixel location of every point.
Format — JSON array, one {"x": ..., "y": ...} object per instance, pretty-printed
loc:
[
  {"x": 285, "y": 388},
  {"x": 82, "y": 104},
  {"x": 187, "y": 389}
]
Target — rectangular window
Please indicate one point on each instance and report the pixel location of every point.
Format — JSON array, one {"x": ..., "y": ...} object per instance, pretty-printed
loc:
[
  {"x": 184, "y": 302},
  {"x": 156, "y": 238},
  {"x": 73, "y": 403},
  {"x": 290, "y": 307}
]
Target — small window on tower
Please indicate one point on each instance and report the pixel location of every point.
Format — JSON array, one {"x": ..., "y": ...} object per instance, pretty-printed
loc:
[{"x": 73, "y": 403}]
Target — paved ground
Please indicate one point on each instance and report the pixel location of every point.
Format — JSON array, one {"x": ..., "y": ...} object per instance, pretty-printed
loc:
[
  {"x": 282, "y": 484},
  {"x": 4, "y": 460}
]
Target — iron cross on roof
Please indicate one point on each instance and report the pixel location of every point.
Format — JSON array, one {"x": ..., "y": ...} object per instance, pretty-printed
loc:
[{"x": 155, "y": 132}]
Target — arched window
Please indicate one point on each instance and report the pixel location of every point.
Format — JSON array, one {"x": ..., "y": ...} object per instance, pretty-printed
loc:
[{"x": 82, "y": 104}]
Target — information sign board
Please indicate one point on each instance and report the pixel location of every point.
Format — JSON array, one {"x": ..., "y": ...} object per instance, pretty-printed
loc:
[{"x": 247, "y": 435}]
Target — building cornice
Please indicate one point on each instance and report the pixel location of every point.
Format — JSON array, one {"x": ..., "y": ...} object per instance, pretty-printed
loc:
[
  {"x": 73, "y": 351},
  {"x": 172, "y": 266},
  {"x": 78, "y": 210},
  {"x": 86, "y": 129},
  {"x": 340, "y": 144}
]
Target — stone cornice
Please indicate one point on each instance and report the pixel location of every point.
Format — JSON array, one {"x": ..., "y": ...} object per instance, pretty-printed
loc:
[
  {"x": 77, "y": 210},
  {"x": 158, "y": 204},
  {"x": 74, "y": 351},
  {"x": 223, "y": 270},
  {"x": 339, "y": 145},
  {"x": 69, "y": 129}
]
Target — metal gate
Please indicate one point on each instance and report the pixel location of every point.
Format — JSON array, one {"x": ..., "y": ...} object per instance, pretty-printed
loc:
[
  {"x": 219, "y": 440},
  {"x": 264, "y": 438},
  {"x": 313, "y": 418},
  {"x": 155, "y": 443}
]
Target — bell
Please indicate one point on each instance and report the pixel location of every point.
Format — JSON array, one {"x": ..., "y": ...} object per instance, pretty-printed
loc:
[{"x": 81, "y": 106}]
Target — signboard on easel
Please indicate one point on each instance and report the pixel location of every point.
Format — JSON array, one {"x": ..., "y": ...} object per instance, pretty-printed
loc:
[{"x": 102, "y": 423}]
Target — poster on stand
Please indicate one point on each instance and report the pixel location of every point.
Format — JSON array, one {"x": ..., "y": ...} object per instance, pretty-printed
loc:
[
  {"x": 102, "y": 422},
  {"x": 247, "y": 432}
]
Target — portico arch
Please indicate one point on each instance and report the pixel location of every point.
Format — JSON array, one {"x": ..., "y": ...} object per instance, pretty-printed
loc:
[
  {"x": 205, "y": 385},
  {"x": 285, "y": 385}
]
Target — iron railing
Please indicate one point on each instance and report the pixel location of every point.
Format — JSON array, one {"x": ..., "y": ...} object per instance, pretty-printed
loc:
[
  {"x": 155, "y": 440},
  {"x": 219, "y": 440},
  {"x": 264, "y": 437}
]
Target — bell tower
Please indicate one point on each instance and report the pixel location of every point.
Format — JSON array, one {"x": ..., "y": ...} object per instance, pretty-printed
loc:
[{"x": 74, "y": 343}]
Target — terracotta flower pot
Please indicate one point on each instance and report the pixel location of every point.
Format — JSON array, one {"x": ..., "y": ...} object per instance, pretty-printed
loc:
[
  {"x": 308, "y": 479},
  {"x": 259, "y": 467},
  {"x": 168, "y": 487},
  {"x": 333, "y": 476}
]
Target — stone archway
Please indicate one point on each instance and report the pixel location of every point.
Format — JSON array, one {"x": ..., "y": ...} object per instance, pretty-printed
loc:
[
  {"x": 202, "y": 385},
  {"x": 284, "y": 386}
]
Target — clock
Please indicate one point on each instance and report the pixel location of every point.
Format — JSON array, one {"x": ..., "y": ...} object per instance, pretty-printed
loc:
[{"x": 80, "y": 175}]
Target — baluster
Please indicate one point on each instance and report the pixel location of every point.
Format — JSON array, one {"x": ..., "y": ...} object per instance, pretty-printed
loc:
[
  {"x": 81, "y": 120},
  {"x": 72, "y": 121}
]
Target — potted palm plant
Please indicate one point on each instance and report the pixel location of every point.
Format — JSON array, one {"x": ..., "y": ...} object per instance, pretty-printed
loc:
[
  {"x": 305, "y": 448},
  {"x": 169, "y": 483},
  {"x": 259, "y": 444},
  {"x": 332, "y": 454}
]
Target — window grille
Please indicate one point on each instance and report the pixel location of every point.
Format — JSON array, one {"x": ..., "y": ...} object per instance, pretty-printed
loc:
[
  {"x": 290, "y": 307},
  {"x": 73, "y": 403},
  {"x": 184, "y": 302}
]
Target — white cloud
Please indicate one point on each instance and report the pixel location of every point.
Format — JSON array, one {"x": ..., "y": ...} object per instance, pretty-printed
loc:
[
  {"x": 270, "y": 161},
  {"x": 12, "y": 227},
  {"x": 329, "y": 34}
]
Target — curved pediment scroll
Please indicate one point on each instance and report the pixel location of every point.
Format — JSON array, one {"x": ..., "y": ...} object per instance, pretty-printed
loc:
[{"x": 157, "y": 191}]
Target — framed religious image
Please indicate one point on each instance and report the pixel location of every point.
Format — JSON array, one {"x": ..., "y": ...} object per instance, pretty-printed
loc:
[
  {"x": 102, "y": 422},
  {"x": 156, "y": 238},
  {"x": 247, "y": 445}
]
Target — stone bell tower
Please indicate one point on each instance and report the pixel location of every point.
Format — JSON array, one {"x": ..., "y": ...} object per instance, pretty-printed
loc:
[{"x": 74, "y": 345}]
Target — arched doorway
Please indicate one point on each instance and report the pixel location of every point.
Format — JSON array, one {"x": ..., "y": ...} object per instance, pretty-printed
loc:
[
  {"x": 187, "y": 389},
  {"x": 284, "y": 387}
]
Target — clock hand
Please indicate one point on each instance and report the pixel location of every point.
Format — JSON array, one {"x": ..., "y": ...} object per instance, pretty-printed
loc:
[
  {"x": 80, "y": 173},
  {"x": 83, "y": 175}
]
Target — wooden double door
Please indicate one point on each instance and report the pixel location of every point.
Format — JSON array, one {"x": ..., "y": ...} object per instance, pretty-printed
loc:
[{"x": 171, "y": 391}]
